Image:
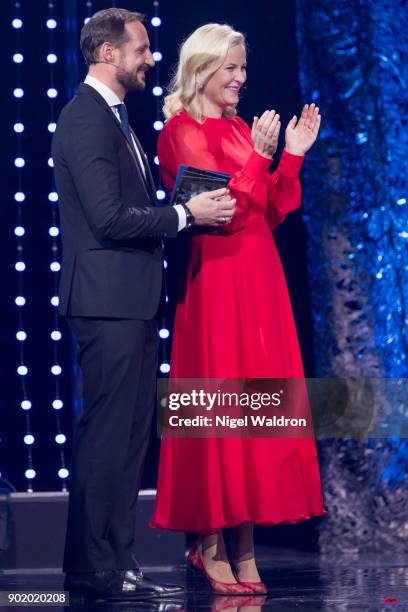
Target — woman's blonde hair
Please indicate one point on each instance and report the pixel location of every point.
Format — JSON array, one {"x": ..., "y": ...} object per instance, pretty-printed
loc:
[{"x": 201, "y": 55}]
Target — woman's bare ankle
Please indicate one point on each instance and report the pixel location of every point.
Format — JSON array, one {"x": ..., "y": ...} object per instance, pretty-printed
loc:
[
  {"x": 216, "y": 560},
  {"x": 246, "y": 570}
]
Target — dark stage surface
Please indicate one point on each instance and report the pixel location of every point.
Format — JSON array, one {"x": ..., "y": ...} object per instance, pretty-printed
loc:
[{"x": 296, "y": 581}]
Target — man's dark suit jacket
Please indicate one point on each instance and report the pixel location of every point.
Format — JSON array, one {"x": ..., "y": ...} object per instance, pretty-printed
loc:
[{"x": 111, "y": 229}]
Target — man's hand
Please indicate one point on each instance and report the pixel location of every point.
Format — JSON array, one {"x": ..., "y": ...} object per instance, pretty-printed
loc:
[
  {"x": 300, "y": 135},
  {"x": 213, "y": 208},
  {"x": 265, "y": 133}
]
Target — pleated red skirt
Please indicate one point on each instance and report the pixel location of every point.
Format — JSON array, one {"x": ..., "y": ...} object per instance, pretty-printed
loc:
[{"x": 235, "y": 320}]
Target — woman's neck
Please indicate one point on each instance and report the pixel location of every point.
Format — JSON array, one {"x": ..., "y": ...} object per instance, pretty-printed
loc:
[{"x": 211, "y": 109}]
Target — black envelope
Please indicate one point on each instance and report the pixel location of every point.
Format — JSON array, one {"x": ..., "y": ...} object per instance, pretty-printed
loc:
[{"x": 191, "y": 181}]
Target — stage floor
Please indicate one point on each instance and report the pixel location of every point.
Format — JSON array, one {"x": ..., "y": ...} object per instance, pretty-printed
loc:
[{"x": 296, "y": 581}]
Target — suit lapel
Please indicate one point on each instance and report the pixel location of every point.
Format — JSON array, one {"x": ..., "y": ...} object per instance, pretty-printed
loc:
[{"x": 87, "y": 89}]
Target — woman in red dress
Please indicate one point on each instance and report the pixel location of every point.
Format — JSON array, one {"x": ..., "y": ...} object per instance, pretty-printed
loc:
[{"x": 234, "y": 319}]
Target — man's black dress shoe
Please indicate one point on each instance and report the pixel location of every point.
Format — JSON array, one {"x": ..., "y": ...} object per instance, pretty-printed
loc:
[
  {"x": 109, "y": 586},
  {"x": 116, "y": 586},
  {"x": 143, "y": 584}
]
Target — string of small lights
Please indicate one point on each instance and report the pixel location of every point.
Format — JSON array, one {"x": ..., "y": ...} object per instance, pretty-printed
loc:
[
  {"x": 157, "y": 91},
  {"x": 19, "y": 232},
  {"x": 55, "y": 266}
]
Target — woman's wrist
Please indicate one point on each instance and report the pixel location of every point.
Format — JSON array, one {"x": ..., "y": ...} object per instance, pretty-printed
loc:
[
  {"x": 294, "y": 151},
  {"x": 264, "y": 154}
]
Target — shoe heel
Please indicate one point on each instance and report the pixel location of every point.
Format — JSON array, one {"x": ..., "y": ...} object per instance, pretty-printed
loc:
[{"x": 194, "y": 558}]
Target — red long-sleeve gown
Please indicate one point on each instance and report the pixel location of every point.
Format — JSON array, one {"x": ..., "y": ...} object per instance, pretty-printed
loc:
[{"x": 235, "y": 320}]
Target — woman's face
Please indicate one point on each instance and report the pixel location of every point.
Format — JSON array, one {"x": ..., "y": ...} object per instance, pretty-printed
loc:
[{"x": 222, "y": 89}]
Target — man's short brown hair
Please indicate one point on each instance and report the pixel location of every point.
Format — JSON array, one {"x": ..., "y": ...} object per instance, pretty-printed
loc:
[{"x": 106, "y": 26}]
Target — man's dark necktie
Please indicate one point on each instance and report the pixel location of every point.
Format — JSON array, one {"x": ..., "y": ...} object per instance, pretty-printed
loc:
[
  {"x": 125, "y": 125},
  {"x": 124, "y": 121}
]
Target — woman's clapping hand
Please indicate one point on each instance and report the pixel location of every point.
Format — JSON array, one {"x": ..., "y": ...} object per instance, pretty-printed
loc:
[
  {"x": 300, "y": 135},
  {"x": 265, "y": 133}
]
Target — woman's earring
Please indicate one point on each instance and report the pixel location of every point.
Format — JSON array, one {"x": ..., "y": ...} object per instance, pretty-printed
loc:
[{"x": 199, "y": 82}]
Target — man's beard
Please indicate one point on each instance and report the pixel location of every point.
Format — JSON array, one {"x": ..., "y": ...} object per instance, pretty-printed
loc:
[{"x": 129, "y": 81}]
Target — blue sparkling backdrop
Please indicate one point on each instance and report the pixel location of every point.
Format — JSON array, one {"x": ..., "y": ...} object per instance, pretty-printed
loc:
[{"x": 353, "y": 64}]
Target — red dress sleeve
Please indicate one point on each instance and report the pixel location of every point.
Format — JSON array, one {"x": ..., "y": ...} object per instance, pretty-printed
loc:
[
  {"x": 182, "y": 142},
  {"x": 284, "y": 190}
]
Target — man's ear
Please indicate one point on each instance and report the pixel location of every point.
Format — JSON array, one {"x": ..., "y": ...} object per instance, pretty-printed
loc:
[{"x": 106, "y": 52}]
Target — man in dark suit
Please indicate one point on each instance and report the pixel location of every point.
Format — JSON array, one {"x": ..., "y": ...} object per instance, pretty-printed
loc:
[{"x": 110, "y": 291}]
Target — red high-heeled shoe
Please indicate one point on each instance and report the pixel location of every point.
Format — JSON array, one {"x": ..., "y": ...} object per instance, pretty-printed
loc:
[
  {"x": 256, "y": 587},
  {"x": 195, "y": 559}
]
